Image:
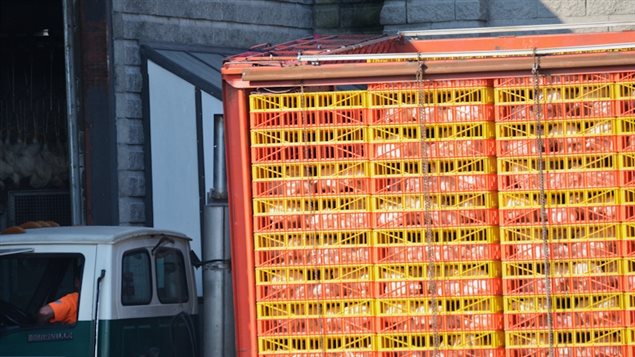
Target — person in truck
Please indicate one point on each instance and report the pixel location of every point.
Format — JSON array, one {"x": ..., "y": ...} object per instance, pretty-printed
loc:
[{"x": 64, "y": 309}]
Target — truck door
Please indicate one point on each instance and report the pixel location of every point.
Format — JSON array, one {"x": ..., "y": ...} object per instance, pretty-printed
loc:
[
  {"x": 154, "y": 305},
  {"x": 31, "y": 280}
]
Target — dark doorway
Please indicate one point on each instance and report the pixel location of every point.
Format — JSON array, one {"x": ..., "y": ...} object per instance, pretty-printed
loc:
[{"x": 33, "y": 113}]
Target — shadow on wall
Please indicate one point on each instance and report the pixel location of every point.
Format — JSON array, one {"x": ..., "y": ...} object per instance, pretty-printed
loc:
[{"x": 398, "y": 15}]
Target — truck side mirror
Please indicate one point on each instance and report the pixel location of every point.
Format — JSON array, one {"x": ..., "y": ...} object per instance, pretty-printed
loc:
[{"x": 196, "y": 262}]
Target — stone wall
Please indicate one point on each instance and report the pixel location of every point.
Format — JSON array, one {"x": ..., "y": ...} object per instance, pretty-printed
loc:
[
  {"x": 235, "y": 24},
  {"x": 399, "y": 15}
]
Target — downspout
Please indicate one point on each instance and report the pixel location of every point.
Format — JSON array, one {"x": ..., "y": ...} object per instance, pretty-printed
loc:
[{"x": 77, "y": 218}]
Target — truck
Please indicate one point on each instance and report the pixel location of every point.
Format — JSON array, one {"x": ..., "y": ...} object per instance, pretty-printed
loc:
[{"x": 137, "y": 294}]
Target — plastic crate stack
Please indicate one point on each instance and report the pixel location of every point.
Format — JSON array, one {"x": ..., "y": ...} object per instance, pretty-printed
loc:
[
  {"x": 434, "y": 219},
  {"x": 312, "y": 235},
  {"x": 581, "y": 223},
  {"x": 625, "y": 110}
]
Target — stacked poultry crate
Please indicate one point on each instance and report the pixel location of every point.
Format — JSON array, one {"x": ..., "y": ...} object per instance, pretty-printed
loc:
[
  {"x": 312, "y": 235},
  {"x": 559, "y": 215},
  {"x": 434, "y": 219},
  {"x": 625, "y": 110}
]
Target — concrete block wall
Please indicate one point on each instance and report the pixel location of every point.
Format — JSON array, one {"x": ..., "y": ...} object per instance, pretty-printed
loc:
[
  {"x": 235, "y": 24},
  {"x": 347, "y": 16},
  {"x": 243, "y": 23},
  {"x": 399, "y": 15}
]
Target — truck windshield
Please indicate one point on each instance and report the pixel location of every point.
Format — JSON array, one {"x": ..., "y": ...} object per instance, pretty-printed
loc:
[{"x": 30, "y": 281}]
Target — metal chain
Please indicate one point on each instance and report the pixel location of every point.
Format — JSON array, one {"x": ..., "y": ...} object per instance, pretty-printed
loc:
[
  {"x": 535, "y": 70},
  {"x": 427, "y": 215},
  {"x": 312, "y": 211}
]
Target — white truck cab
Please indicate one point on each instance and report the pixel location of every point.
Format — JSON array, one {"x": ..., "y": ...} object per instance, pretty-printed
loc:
[{"x": 137, "y": 295}]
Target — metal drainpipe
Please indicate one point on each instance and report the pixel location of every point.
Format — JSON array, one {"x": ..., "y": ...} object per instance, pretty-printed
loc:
[
  {"x": 220, "y": 173},
  {"x": 77, "y": 216},
  {"x": 218, "y": 323}
]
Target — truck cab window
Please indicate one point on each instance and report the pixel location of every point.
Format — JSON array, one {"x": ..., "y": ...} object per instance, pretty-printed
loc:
[
  {"x": 32, "y": 281},
  {"x": 170, "y": 270},
  {"x": 136, "y": 278}
]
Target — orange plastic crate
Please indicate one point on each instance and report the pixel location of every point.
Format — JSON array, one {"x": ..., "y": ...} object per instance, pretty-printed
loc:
[
  {"x": 392, "y": 150},
  {"x": 563, "y": 180},
  {"x": 309, "y": 152},
  {"x": 430, "y": 113},
  {"x": 434, "y": 183},
  {"x": 437, "y": 218},
  {"x": 440, "y": 252},
  {"x": 557, "y": 146}
]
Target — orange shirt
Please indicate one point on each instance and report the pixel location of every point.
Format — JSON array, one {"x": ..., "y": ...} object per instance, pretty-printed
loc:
[{"x": 65, "y": 309}]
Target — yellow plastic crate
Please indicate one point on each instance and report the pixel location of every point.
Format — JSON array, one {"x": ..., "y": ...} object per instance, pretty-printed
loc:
[
  {"x": 568, "y": 311},
  {"x": 433, "y": 132},
  {"x": 291, "y": 275},
  {"x": 301, "y": 240},
  {"x": 437, "y": 201},
  {"x": 441, "y": 271},
  {"x": 565, "y": 303},
  {"x": 559, "y": 234},
  {"x": 302, "y": 283},
  {"x": 569, "y": 129},
  {"x": 581, "y": 276},
  {"x": 626, "y": 129},
  {"x": 555, "y": 93},
  {"x": 562, "y": 137},
  {"x": 448, "y": 341},
  {"x": 450, "y": 235},
  {"x": 625, "y": 95},
  {"x": 451, "y": 305},
  {"x": 332, "y": 344},
  {"x": 570, "y": 163},
  {"x": 436, "y": 96},
  {"x": 308, "y": 136},
  {"x": 449, "y": 166},
  {"x": 625, "y": 87},
  {"x": 308, "y": 205},
  {"x": 309, "y": 118},
  {"x": 315, "y": 308},
  {"x": 310, "y": 100},
  {"x": 574, "y": 338},
  {"x": 309, "y": 171},
  {"x": 306, "y": 179},
  {"x": 565, "y": 198},
  {"x": 589, "y": 267}
]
